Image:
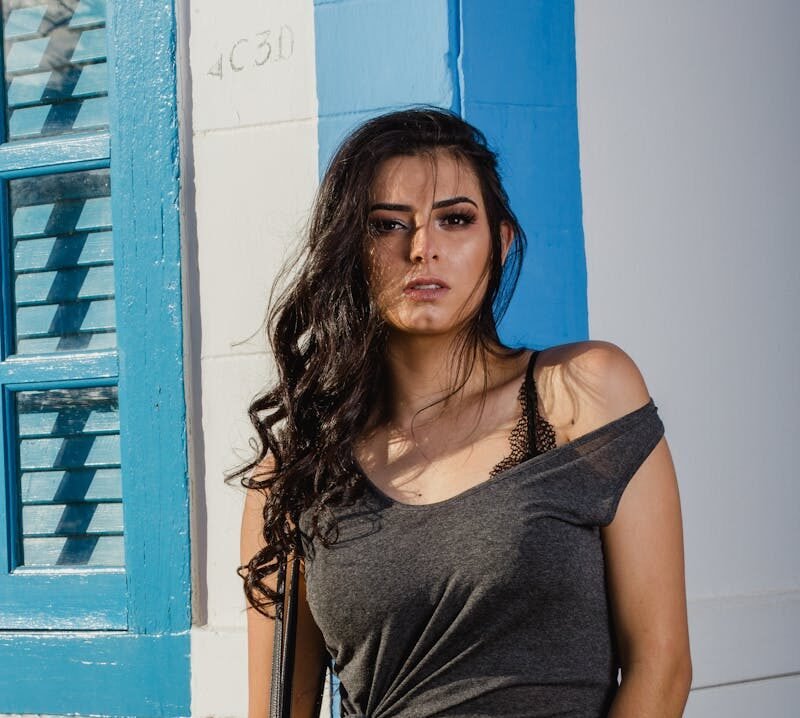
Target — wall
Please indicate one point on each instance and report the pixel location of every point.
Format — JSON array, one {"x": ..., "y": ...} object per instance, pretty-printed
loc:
[
  {"x": 687, "y": 157},
  {"x": 252, "y": 155},
  {"x": 688, "y": 115},
  {"x": 250, "y": 96}
]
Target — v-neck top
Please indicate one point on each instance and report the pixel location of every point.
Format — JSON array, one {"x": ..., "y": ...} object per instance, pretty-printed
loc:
[{"x": 492, "y": 602}]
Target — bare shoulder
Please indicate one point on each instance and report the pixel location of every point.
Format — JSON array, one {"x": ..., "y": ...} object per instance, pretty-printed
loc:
[
  {"x": 255, "y": 496},
  {"x": 251, "y": 538},
  {"x": 583, "y": 385}
]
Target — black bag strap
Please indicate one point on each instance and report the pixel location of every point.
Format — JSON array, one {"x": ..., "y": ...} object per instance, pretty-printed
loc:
[{"x": 280, "y": 704}]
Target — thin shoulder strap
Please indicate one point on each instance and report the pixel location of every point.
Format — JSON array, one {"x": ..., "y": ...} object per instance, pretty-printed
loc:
[
  {"x": 530, "y": 403},
  {"x": 541, "y": 434}
]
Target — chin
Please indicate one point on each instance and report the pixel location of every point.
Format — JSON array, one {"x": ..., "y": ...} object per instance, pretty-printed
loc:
[
  {"x": 427, "y": 321},
  {"x": 423, "y": 328}
]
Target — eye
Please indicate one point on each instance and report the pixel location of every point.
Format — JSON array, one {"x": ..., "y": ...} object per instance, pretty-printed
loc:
[
  {"x": 458, "y": 219},
  {"x": 384, "y": 225}
]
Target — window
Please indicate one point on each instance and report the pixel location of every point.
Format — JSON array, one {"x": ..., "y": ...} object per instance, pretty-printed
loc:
[{"x": 94, "y": 550}]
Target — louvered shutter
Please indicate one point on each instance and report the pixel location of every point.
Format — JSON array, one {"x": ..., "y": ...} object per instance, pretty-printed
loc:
[
  {"x": 94, "y": 516},
  {"x": 63, "y": 503}
]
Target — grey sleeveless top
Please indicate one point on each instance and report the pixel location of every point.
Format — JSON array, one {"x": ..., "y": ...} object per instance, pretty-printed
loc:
[{"x": 490, "y": 603}]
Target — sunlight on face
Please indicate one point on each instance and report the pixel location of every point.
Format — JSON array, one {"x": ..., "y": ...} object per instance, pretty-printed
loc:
[{"x": 431, "y": 243}]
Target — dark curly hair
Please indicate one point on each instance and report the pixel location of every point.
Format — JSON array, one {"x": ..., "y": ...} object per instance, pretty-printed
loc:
[{"x": 328, "y": 337}]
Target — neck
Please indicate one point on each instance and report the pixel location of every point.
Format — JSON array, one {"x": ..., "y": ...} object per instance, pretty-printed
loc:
[{"x": 425, "y": 369}]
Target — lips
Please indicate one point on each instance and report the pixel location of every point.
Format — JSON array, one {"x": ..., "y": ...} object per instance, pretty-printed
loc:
[
  {"x": 426, "y": 289},
  {"x": 426, "y": 283}
]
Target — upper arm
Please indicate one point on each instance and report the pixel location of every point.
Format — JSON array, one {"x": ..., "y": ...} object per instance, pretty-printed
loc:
[
  {"x": 643, "y": 545},
  {"x": 260, "y": 629},
  {"x": 309, "y": 644}
]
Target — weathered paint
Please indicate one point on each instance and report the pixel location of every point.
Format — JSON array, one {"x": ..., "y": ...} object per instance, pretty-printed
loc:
[
  {"x": 19, "y": 158},
  {"x": 508, "y": 68},
  {"x": 86, "y": 600},
  {"x": 116, "y": 674},
  {"x": 144, "y": 670},
  {"x": 26, "y": 369},
  {"x": 145, "y": 186}
]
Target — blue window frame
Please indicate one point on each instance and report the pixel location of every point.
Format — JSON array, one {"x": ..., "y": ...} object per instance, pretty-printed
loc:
[{"x": 94, "y": 520}]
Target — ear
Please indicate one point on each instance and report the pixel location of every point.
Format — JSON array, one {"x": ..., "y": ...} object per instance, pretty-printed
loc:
[{"x": 506, "y": 239}]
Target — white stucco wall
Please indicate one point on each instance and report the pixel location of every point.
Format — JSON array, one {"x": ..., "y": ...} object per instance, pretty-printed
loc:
[
  {"x": 688, "y": 141},
  {"x": 688, "y": 116},
  {"x": 253, "y": 152}
]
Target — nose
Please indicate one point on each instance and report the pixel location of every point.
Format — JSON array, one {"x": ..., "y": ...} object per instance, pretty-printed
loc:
[{"x": 423, "y": 245}]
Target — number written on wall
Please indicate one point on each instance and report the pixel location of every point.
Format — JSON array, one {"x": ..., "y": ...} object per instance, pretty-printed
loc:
[{"x": 263, "y": 47}]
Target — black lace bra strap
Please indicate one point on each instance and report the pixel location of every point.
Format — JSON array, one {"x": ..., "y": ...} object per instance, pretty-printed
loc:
[
  {"x": 531, "y": 403},
  {"x": 531, "y": 435},
  {"x": 541, "y": 435}
]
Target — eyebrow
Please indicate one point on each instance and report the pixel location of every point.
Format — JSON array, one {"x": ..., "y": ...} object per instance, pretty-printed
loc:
[
  {"x": 453, "y": 200},
  {"x": 436, "y": 205}
]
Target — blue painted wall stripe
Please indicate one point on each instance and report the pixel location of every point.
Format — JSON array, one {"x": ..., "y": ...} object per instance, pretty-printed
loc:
[
  {"x": 373, "y": 56},
  {"x": 519, "y": 87},
  {"x": 509, "y": 68}
]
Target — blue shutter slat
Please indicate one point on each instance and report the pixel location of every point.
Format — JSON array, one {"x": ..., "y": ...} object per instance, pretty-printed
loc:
[
  {"x": 91, "y": 46},
  {"x": 32, "y": 88},
  {"x": 66, "y": 116},
  {"x": 93, "y": 80},
  {"x": 26, "y": 54},
  {"x": 31, "y": 220},
  {"x": 93, "y": 113},
  {"x": 38, "y": 287},
  {"x": 70, "y": 486},
  {"x": 28, "y": 121},
  {"x": 89, "y": 12},
  {"x": 67, "y": 421},
  {"x": 26, "y": 89},
  {"x": 73, "y": 452},
  {"x": 58, "y": 252},
  {"x": 96, "y": 213},
  {"x": 24, "y": 21},
  {"x": 90, "y": 551},
  {"x": 86, "y": 342},
  {"x": 79, "y": 519},
  {"x": 61, "y": 319}
]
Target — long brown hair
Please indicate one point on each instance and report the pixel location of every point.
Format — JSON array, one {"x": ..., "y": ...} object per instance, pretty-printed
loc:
[{"x": 328, "y": 338}]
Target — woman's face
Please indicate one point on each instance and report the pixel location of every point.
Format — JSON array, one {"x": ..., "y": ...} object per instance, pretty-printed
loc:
[{"x": 431, "y": 243}]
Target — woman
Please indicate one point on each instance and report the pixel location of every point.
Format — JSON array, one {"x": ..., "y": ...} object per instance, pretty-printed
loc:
[{"x": 485, "y": 531}]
